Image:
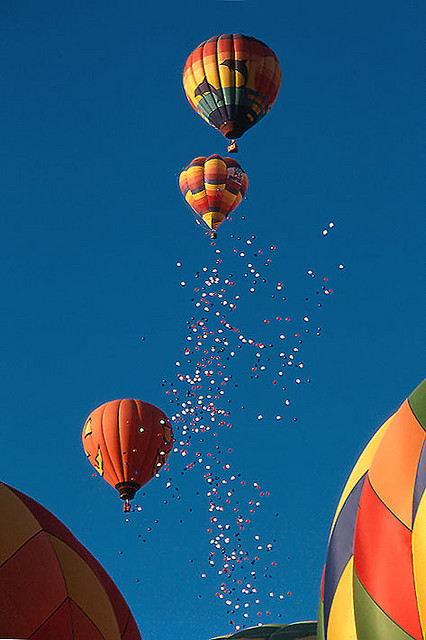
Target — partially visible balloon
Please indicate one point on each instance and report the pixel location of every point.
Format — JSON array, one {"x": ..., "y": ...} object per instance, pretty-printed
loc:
[
  {"x": 295, "y": 631},
  {"x": 232, "y": 81},
  {"x": 213, "y": 187},
  {"x": 374, "y": 584},
  {"x": 127, "y": 442},
  {"x": 51, "y": 587}
]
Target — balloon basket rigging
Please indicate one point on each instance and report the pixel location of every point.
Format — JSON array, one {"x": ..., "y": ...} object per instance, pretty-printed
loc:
[{"x": 232, "y": 147}]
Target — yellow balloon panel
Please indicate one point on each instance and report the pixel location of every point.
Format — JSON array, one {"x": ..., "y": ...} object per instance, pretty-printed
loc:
[{"x": 17, "y": 524}]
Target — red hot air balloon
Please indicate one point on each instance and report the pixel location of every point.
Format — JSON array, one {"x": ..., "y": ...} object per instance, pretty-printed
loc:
[
  {"x": 127, "y": 441},
  {"x": 51, "y": 587}
]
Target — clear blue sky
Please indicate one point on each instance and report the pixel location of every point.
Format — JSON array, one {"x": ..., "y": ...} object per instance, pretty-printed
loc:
[{"x": 95, "y": 129}]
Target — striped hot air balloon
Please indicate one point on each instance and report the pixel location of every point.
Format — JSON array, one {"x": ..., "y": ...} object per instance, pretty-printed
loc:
[
  {"x": 374, "y": 583},
  {"x": 232, "y": 81},
  {"x": 213, "y": 187}
]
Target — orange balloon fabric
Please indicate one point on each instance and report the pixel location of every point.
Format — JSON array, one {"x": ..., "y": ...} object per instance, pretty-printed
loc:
[
  {"x": 51, "y": 587},
  {"x": 127, "y": 442},
  {"x": 213, "y": 187}
]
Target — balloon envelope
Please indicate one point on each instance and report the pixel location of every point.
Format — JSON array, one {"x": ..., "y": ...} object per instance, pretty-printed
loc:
[
  {"x": 213, "y": 187},
  {"x": 296, "y": 631},
  {"x": 232, "y": 81},
  {"x": 374, "y": 585},
  {"x": 127, "y": 442},
  {"x": 51, "y": 587}
]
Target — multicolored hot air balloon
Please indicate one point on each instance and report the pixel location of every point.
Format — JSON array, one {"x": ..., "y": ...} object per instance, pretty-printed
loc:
[
  {"x": 232, "y": 81},
  {"x": 127, "y": 441},
  {"x": 296, "y": 631},
  {"x": 51, "y": 587},
  {"x": 374, "y": 584},
  {"x": 213, "y": 187}
]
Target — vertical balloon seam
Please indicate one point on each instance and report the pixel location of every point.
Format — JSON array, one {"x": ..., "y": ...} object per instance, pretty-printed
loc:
[
  {"x": 186, "y": 71},
  {"x": 234, "y": 85},
  {"x": 197, "y": 215},
  {"x": 261, "y": 74},
  {"x": 107, "y": 451},
  {"x": 214, "y": 101},
  {"x": 238, "y": 91},
  {"x": 221, "y": 109},
  {"x": 141, "y": 457},
  {"x": 142, "y": 408},
  {"x": 212, "y": 160},
  {"x": 195, "y": 208},
  {"x": 245, "y": 103},
  {"x": 274, "y": 84},
  {"x": 146, "y": 420},
  {"x": 120, "y": 429},
  {"x": 147, "y": 425},
  {"x": 132, "y": 454},
  {"x": 190, "y": 69},
  {"x": 198, "y": 188},
  {"x": 195, "y": 180},
  {"x": 222, "y": 163},
  {"x": 223, "y": 113},
  {"x": 227, "y": 39},
  {"x": 114, "y": 472},
  {"x": 195, "y": 83}
]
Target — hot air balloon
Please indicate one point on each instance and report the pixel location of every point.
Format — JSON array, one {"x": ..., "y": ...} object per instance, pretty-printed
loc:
[
  {"x": 127, "y": 441},
  {"x": 51, "y": 587},
  {"x": 295, "y": 631},
  {"x": 374, "y": 583},
  {"x": 232, "y": 81},
  {"x": 213, "y": 187}
]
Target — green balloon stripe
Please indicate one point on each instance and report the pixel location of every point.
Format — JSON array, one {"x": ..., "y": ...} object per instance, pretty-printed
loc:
[
  {"x": 371, "y": 621},
  {"x": 417, "y": 402}
]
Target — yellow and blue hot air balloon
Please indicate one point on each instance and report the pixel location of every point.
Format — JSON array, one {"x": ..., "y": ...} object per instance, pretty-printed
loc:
[{"x": 374, "y": 583}]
